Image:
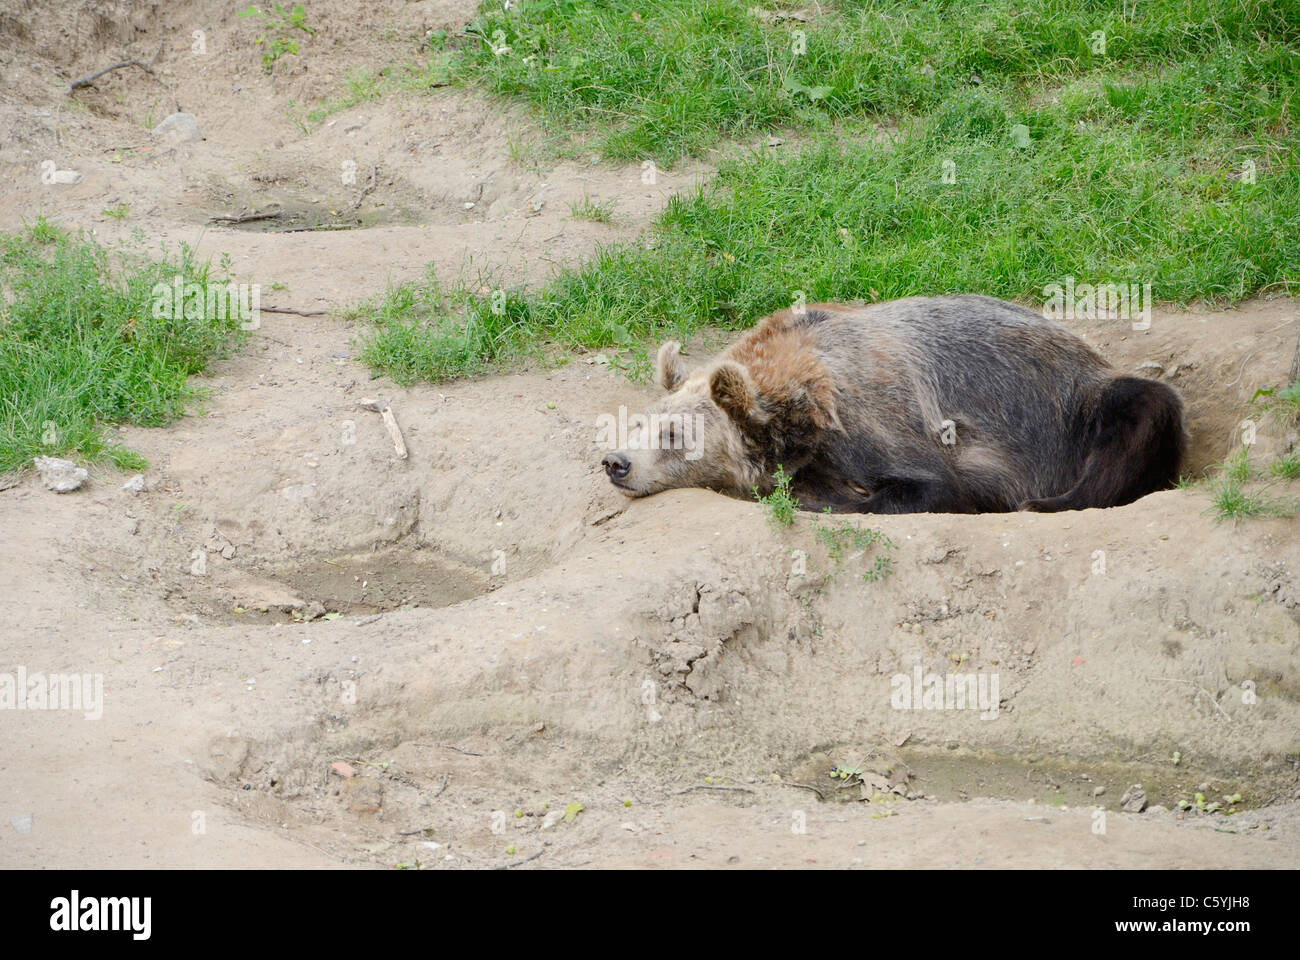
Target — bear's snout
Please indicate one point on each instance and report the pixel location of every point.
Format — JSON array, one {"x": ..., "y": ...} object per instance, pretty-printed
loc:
[{"x": 616, "y": 466}]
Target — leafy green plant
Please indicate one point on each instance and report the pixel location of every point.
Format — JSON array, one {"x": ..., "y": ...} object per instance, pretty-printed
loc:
[
  {"x": 280, "y": 24},
  {"x": 781, "y": 504},
  {"x": 840, "y": 539}
]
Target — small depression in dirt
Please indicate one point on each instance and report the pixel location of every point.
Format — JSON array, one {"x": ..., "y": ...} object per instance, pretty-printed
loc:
[
  {"x": 371, "y": 584},
  {"x": 301, "y": 216},
  {"x": 1059, "y": 781}
]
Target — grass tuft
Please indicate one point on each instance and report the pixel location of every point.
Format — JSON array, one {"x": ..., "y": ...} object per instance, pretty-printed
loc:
[{"x": 81, "y": 349}]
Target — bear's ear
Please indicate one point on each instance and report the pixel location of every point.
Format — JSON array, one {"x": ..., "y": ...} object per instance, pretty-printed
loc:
[
  {"x": 733, "y": 390},
  {"x": 670, "y": 371}
]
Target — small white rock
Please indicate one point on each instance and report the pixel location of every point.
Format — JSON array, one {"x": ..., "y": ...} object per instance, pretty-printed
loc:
[
  {"x": 61, "y": 476},
  {"x": 178, "y": 128}
]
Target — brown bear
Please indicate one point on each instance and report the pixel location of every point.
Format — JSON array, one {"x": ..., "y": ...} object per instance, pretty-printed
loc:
[{"x": 961, "y": 404}]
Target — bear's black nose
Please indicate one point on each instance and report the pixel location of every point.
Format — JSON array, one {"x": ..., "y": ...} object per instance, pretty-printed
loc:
[{"x": 616, "y": 465}]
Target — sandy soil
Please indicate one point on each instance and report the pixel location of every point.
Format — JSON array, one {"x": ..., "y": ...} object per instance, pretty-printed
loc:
[{"x": 514, "y": 637}]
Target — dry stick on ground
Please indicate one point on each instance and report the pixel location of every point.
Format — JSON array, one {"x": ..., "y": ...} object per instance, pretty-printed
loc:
[
  {"x": 390, "y": 422},
  {"x": 373, "y": 172},
  {"x": 520, "y": 863},
  {"x": 711, "y": 786},
  {"x": 806, "y": 786},
  {"x": 468, "y": 753},
  {"x": 323, "y": 226},
  {"x": 91, "y": 78},
  {"x": 1199, "y": 689},
  {"x": 297, "y": 313},
  {"x": 247, "y": 217}
]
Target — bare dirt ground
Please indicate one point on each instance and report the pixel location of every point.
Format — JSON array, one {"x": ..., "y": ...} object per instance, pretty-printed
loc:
[{"x": 514, "y": 637}]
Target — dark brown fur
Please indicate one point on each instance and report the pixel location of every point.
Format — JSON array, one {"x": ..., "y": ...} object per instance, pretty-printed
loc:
[{"x": 952, "y": 404}]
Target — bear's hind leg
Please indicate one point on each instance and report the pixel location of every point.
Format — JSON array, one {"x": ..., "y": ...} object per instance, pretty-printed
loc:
[
  {"x": 1137, "y": 446},
  {"x": 908, "y": 495}
]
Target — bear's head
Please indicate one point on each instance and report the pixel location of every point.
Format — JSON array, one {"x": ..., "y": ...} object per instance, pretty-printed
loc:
[{"x": 718, "y": 428}]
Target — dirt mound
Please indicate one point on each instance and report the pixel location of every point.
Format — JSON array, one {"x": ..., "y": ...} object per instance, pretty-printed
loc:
[{"x": 604, "y": 650}]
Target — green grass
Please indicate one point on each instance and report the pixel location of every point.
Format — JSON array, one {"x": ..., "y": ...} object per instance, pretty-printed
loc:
[
  {"x": 1168, "y": 160},
  {"x": 588, "y": 209},
  {"x": 663, "y": 79},
  {"x": 1282, "y": 405},
  {"x": 1286, "y": 466},
  {"x": 1232, "y": 501},
  {"x": 1236, "y": 495},
  {"x": 365, "y": 86},
  {"x": 412, "y": 337},
  {"x": 840, "y": 539},
  {"x": 80, "y": 348},
  {"x": 1238, "y": 467}
]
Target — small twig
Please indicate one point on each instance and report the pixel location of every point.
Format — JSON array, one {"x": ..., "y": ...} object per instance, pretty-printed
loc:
[
  {"x": 91, "y": 78},
  {"x": 126, "y": 146},
  {"x": 247, "y": 217},
  {"x": 390, "y": 423},
  {"x": 323, "y": 226},
  {"x": 445, "y": 778},
  {"x": 712, "y": 786},
  {"x": 1276, "y": 283},
  {"x": 356, "y": 203},
  {"x": 1240, "y": 370},
  {"x": 1217, "y": 706},
  {"x": 298, "y": 313},
  {"x": 468, "y": 753},
  {"x": 806, "y": 786},
  {"x": 520, "y": 863}
]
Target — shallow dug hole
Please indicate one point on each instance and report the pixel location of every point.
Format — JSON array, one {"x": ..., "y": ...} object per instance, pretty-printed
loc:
[
  {"x": 962, "y": 774},
  {"x": 300, "y": 216},
  {"x": 357, "y": 585},
  {"x": 392, "y": 581}
]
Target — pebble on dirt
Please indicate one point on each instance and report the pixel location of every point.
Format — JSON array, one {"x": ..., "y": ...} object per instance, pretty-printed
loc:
[
  {"x": 61, "y": 476},
  {"x": 1134, "y": 799},
  {"x": 178, "y": 128}
]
